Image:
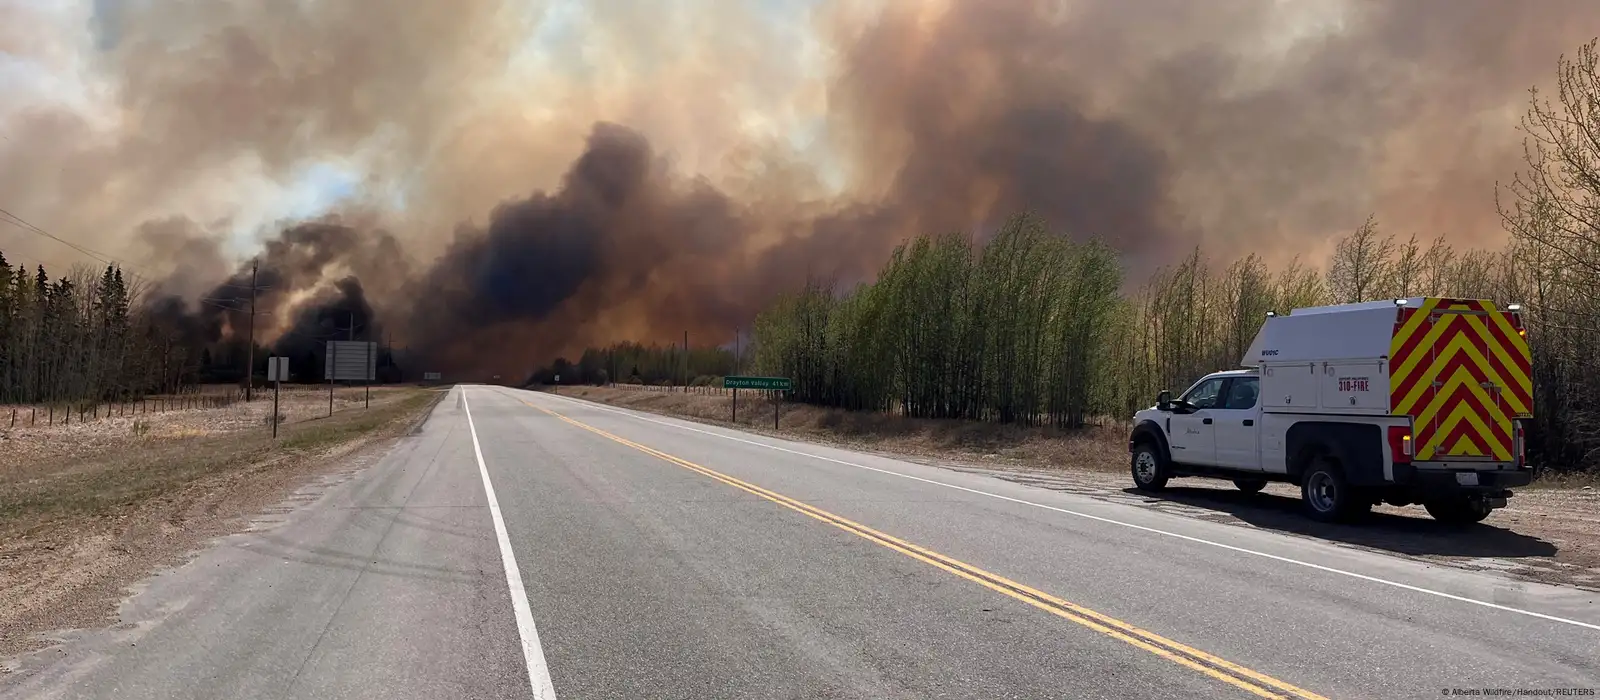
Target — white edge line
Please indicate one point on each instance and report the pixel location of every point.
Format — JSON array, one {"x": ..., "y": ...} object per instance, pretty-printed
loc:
[
  {"x": 1187, "y": 538},
  {"x": 538, "y": 670}
]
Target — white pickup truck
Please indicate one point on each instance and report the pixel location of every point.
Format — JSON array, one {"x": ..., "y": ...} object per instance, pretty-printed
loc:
[{"x": 1408, "y": 401}]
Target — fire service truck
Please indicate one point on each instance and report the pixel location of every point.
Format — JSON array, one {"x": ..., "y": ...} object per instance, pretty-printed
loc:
[{"x": 1410, "y": 401}]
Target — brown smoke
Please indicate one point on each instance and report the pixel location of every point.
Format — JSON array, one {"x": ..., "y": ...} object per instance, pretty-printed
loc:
[{"x": 623, "y": 193}]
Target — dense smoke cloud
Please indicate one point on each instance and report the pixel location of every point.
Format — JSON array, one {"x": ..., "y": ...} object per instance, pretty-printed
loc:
[{"x": 664, "y": 167}]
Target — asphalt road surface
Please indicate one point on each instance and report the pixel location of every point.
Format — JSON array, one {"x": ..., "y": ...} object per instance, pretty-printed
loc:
[{"x": 524, "y": 545}]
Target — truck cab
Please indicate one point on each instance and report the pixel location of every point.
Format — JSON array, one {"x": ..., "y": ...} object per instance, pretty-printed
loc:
[
  {"x": 1215, "y": 423},
  {"x": 1416, "y": 401}
]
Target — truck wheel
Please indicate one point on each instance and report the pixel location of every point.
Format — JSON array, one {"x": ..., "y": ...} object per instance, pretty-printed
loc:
[
  {"x": 1458, "y": 510},
  {"x": 1327, "y": 496},
  {"x": 1250, "y": 485},
  {"x": 1149, "y": 467}
]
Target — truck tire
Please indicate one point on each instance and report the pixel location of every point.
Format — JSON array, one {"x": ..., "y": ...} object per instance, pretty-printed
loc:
[
  {"x": 1149, "y": 467},
  {"x": 1250, "y": 485},
  {"x": 1327, "y": 496},
  {"x": 1458, "y": 510}
]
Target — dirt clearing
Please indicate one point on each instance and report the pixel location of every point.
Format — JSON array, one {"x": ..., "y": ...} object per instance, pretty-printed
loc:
[
  {"x": 1550, "y": 533},
  {"x": 87, "y": 509}
]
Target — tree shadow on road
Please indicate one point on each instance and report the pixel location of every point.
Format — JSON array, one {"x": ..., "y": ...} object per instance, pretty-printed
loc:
[{"x": 1386, "y": 531}]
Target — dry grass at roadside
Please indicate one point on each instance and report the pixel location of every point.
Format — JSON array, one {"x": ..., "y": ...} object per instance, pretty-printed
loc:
[
  {"x": 86, "y": 510},
  {"x": 1095, "y": 448},
  {"x": 27, "y": 444},
  {"x": 1569, "y": 480}
]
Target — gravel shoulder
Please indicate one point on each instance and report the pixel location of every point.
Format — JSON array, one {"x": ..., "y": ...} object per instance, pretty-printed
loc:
[
  {"x": 1550, "y": 533},
  {"x": 89, "y": 509}
]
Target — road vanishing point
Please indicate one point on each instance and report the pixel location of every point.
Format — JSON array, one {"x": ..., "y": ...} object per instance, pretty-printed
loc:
[{"x": 524, "y": 545}]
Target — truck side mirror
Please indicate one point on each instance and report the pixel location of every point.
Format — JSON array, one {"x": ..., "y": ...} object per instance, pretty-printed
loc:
[{"x": 1164, "y": 400}]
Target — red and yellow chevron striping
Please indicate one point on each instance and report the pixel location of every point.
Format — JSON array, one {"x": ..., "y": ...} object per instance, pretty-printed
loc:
[{"x": 1461, "y": 369}]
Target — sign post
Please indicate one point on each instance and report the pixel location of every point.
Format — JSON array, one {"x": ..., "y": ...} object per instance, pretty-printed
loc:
[
  {"x": 277, "y": 371},
  {"x": 779, "y": 384},
  {"x": 350, "y": 361}
]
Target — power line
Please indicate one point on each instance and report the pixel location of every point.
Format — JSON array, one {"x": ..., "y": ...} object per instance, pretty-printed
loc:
[
  {"x": 220, "y": 305},
  {"x": 23, "y": 224}
]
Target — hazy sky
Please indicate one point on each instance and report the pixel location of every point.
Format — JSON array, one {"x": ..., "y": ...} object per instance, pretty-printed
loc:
[
  {"x": 1278, "y": 121},
  {"x": 61, "y": 60}
]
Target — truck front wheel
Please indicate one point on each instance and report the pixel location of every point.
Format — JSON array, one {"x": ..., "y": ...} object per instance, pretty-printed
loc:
[
  {"x": 1458, "y": 510},
  {"x": 1149, "y": 467},
  {"x": 1328, "y": 497}
]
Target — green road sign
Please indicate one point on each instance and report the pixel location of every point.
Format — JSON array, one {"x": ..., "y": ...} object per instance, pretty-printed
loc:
[{"x": 771, "y": 383}]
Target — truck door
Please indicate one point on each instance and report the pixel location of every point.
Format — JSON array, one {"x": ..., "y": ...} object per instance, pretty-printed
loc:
[
  {"x": 1193, "y": 437},
  {"x": 1237, "y": 426}
]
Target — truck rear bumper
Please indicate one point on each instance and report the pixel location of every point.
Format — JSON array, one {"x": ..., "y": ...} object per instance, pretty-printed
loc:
[{"x": 1449, "y": 480}]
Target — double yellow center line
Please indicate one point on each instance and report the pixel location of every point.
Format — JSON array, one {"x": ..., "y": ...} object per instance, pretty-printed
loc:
[{"x": 1228, "y": 672}]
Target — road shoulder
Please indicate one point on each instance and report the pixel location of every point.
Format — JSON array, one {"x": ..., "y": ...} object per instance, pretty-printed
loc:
[{"x": 82, "y": 534}]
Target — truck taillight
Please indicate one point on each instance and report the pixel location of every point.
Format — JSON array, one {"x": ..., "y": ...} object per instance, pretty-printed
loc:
[
  {"x": 1522, "y": 444},
  {"x": 1400, "y": 443}
]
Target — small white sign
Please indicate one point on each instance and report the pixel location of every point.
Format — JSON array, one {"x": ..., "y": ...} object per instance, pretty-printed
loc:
[
  {"x": 277, "y": 369},
  {"x": 431, "y": 376}
]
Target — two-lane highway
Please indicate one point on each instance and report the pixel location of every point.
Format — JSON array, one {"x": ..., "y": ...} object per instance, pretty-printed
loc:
[{"x": 626, "y": 555}]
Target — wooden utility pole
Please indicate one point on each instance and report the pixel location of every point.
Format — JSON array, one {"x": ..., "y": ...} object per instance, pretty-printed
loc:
[
  {"x": 330, "y": 362},
  {"x": 250, "y": 352},
  {"x": 686, "y": 360}
]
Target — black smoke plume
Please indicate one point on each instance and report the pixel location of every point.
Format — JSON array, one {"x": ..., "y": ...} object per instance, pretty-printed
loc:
[{"x": 1246, "y": 126}]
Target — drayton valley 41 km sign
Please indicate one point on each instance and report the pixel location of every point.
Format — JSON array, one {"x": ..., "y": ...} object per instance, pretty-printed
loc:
[
  {"x": 760, "y": 383},
  {"x": 768, "y": 383}
]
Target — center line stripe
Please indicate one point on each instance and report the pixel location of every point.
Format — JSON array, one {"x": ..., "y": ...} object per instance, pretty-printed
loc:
[{"x": 1220, "y": 669}]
